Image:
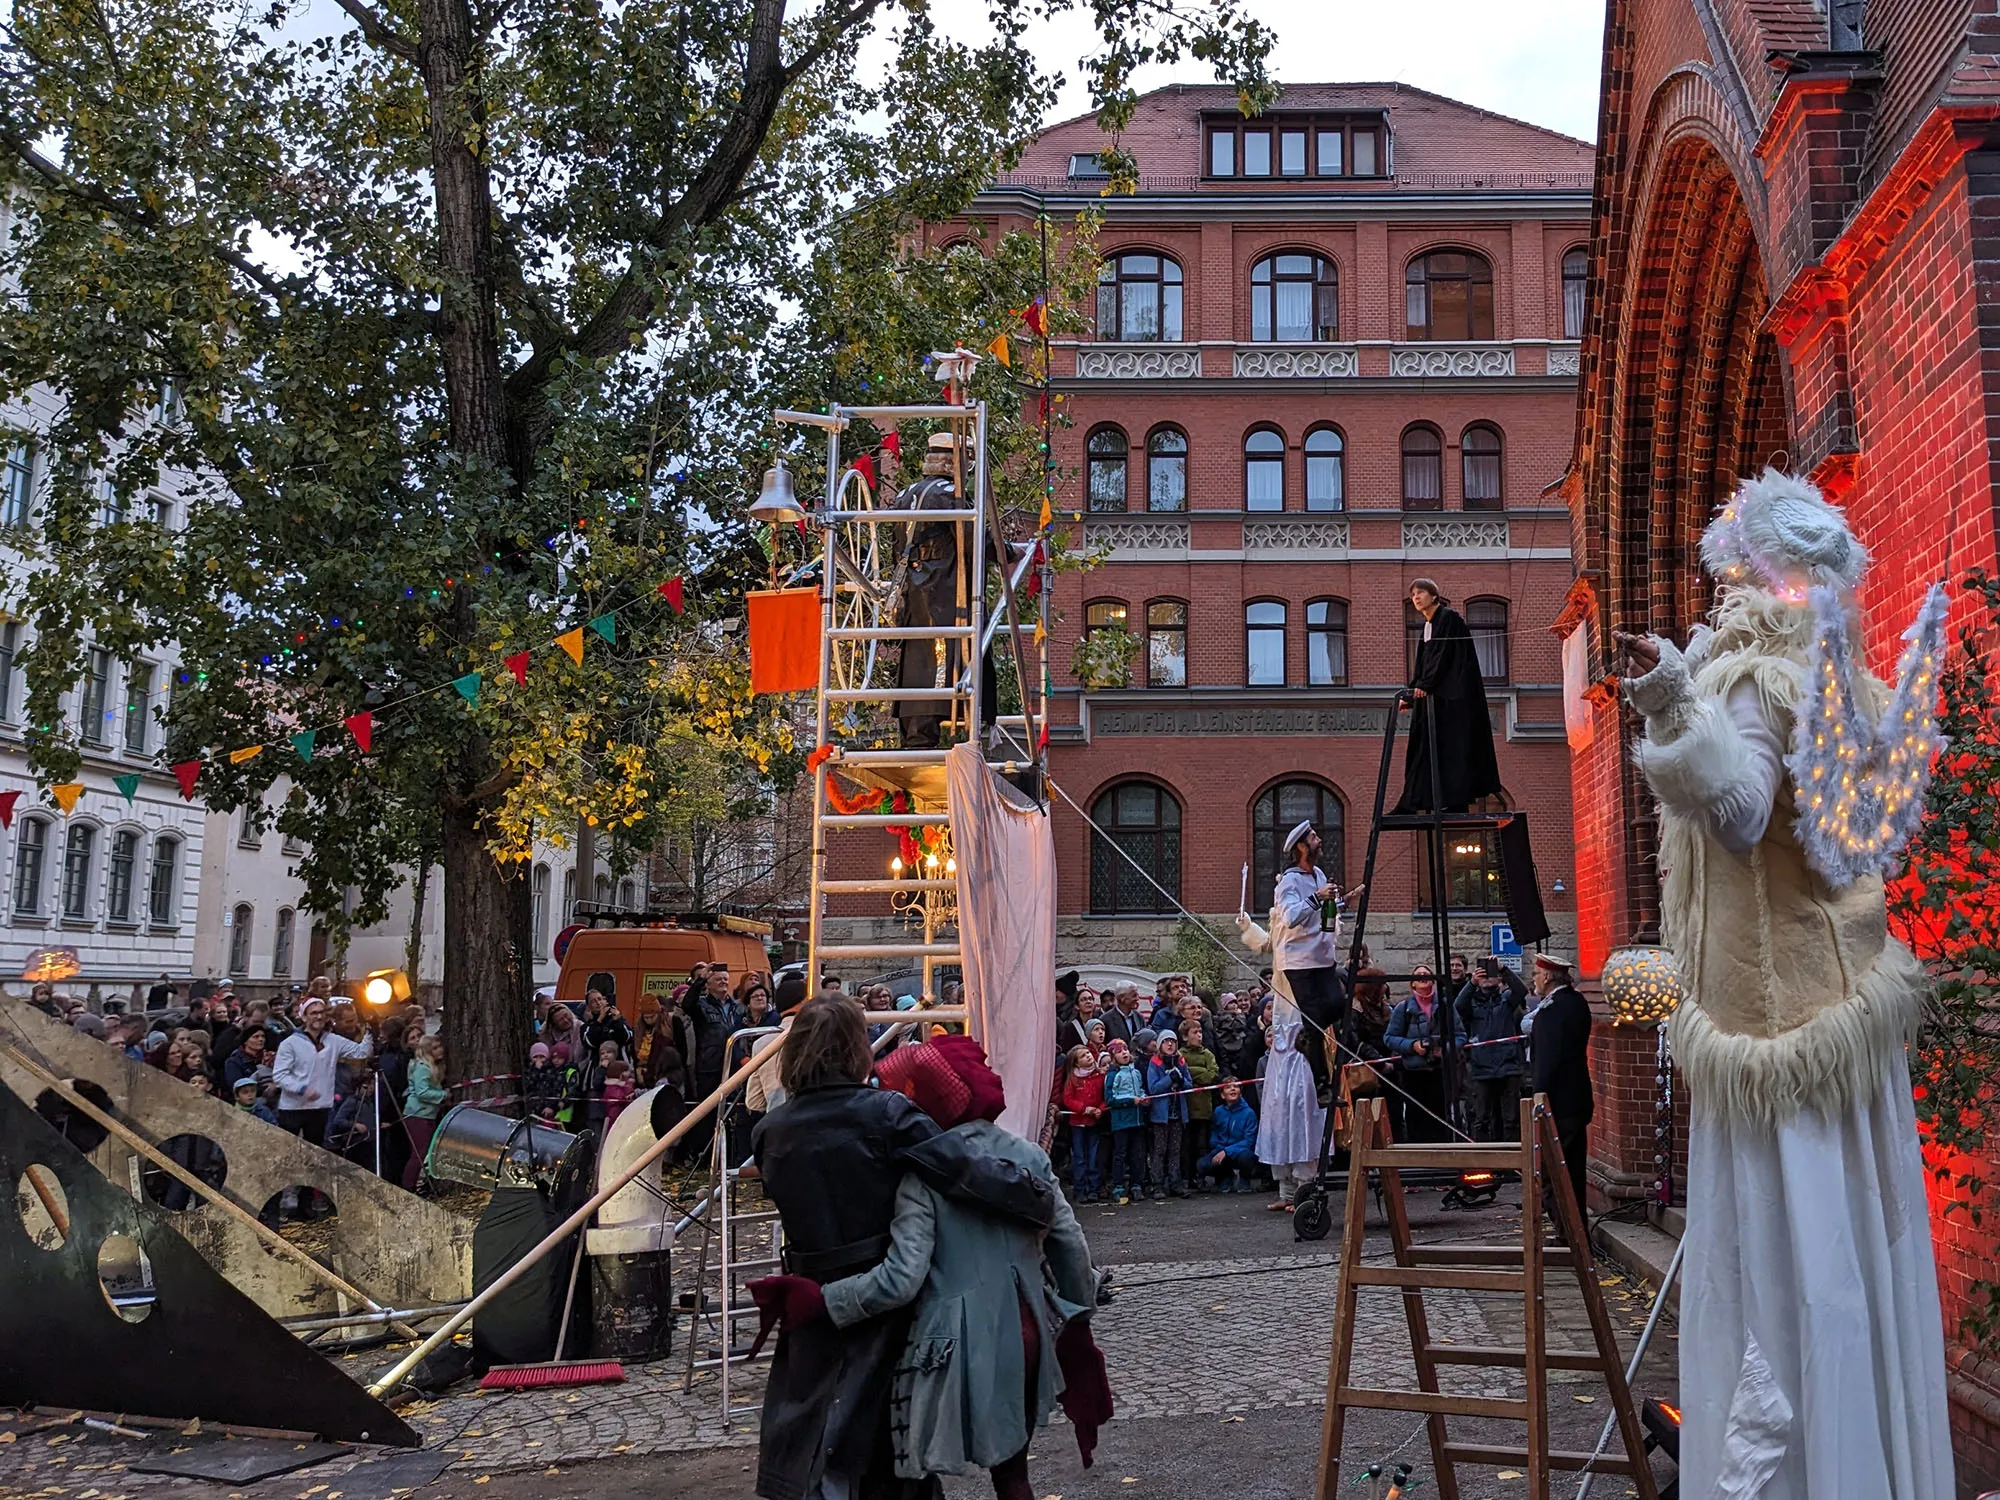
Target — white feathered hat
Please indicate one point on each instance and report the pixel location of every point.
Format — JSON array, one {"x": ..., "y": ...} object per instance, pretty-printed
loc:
[{"x": 1778, "y": 530}]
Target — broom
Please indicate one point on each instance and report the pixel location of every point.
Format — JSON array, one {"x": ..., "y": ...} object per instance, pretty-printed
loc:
[{"x": 556, "y": 1371}]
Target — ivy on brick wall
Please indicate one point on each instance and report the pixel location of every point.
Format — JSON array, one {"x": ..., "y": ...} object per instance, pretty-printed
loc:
[{"x": 1944, "y": 907}]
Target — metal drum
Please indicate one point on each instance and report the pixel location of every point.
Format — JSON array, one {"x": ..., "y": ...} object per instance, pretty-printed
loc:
[{"x": 480, "y": 1149}]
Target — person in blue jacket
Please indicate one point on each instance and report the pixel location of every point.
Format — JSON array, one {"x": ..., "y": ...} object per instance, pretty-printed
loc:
[
  {"x": 1167, "y": 1083},
  {"x": 1232, "y": 1141},
  {"x": 1124, "y": 1089}
]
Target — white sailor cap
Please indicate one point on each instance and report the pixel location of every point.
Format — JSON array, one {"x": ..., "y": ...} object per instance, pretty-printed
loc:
[{"x": 1292, "y": 838}]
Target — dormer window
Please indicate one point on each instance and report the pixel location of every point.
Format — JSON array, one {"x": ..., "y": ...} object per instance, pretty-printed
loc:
[
  {"x": 1298, "y": 146},
  {"x": 1087, "y": 164}
]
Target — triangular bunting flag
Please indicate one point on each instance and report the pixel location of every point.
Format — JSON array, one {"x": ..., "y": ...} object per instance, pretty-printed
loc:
[
  {"x": 674, "y": 590},
  {"x": 303, "y": 743},
  {"x": 7, "y": 801},
  {"x": 248, "y": 752},
  {"x": 1036, "y": 317},
  {"x": 1047, "y": 517},
  {"x": 865, "y": 467},
  {"x": 362, "y": 727},
  {"x": 128, "y": 786},
  {"x": 468, "y": 686},
  {"x": 892, "y": 442},
  {"x": 518, "y": 665},
  {"x": 66, "y": 794},
  {"x": 998, "y": 349},
  {"x": 1042, "y": 407},
  {"x": 606, "y": 626},
  {"x": 572, "y": 642},
  {"x": 186, "y": 772}
]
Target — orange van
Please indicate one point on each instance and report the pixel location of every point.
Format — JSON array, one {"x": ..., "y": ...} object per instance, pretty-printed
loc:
[{"x": 647, "y": 964}]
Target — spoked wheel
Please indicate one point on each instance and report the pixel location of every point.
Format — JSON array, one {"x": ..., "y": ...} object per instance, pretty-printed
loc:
[
  {"x": 1312, "y": 1214},
  {"x": 864, "y": 589}
]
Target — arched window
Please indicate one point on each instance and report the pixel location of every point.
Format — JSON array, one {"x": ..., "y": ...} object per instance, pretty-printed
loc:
[
  {"x": 163, "y": 896},
  {"x": 1140, "y": 825},
  {"x": 1326, "y": 470},
  {"x": 79, "y": 852},
  {"x": 1166, "y": 644},
  {"x": 1448, "y": 294},
  {"x": 1139, "y": 299},
  {"x": 31, "y": 853},
  {"x": 119, "y": 879},
  {"x": 1423, "y": 468},
  {"x": 1576, "y": 276},
  {"x": 568, "y": 913},
  {"x": 627, "y": 896},
  {"x": 281, "y": 946},
  {"x": 1104, "y": 614},
  {"x": 603, "y": 889},
  {"x": 1277, "y": 811},
  {"x": 1264, "y": 643},
  {"x": 1487, "y": 620},
  {"x": 241, "y": 922},
  {"x": 1166, "y": 469},
  {"x": 1326, "y": 643},
  {"x": 1104, "y": 463},
  {"x": 540, "y": 892},
  {"x": 1479, "y": 460},
  {"x": 1294, "y": 298},
  {"x": 1264, "y": 470}
]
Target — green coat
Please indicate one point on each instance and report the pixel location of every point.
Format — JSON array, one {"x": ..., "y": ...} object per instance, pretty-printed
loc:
[
  {"x": 1202, "y": 1068},
  {"x": 958, "y": 1400}
]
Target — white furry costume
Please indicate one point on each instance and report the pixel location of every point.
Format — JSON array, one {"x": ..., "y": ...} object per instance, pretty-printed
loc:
[{"x": 1812, "y": 1354}]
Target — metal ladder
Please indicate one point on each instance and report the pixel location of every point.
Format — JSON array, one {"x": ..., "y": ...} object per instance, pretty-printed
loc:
[{"x": 917, "y": 773}]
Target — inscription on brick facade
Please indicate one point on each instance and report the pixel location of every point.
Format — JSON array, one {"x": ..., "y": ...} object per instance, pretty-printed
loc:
[{"x": 1333, "y": 719}]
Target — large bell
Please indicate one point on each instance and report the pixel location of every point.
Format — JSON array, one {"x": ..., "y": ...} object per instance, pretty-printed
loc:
[{"x": 778, "y": 502}]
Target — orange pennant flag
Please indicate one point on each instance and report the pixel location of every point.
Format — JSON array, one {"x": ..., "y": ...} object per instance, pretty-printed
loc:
[
  {"x": 248, "y": 752},
  {"x": 66, "y": 794},
  {"x": 784, "y": 640},
  {"x": 572, "y": 642},
  {"x": 999, "y": 350}
]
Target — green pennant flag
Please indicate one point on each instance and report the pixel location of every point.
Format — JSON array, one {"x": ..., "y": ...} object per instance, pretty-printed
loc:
[
  {"x": 303, "y": 743},
  {"x": 606, "y": 626},
  {"x": 129, "y": 785},
  {"x": 468, "y": 686}
]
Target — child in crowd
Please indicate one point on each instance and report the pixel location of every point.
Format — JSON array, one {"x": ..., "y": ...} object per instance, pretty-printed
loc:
[
  {"x": 1124, "y": 1089},
  {"x": 1230, "y": 1153},
  {"x": 542, "y": 1087},
  {"x": 1203, "y": 1069},
  {"x": 249, "y": 1099},
  {"x": 1099, "y": 1042},
  {"x": 617, "y": 1086},
  {"x": 1083, "y": 1111},
  {"x": 1167, "y": 1085}
]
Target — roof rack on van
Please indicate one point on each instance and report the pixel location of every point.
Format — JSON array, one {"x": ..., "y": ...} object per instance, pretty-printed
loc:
[{"x": 606, "y": 914}]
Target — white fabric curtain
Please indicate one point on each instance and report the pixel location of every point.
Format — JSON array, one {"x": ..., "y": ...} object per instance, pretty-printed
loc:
[{"x": 1006, "y": 855}]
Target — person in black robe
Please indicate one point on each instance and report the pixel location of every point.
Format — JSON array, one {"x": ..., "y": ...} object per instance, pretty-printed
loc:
[
  {"x": 1450, "y": 701},
  {"x": 932, "y": 595}
]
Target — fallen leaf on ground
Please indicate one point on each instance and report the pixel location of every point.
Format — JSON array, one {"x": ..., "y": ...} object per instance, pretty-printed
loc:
[
  {"x": 1227, "y": 1420},
  {"x": 1508, "y": 1474},
  {"x": 1586, "y": 1400},
  {"x": 484, "y": 1479},
  {"x": 1129, "y": 1479}
]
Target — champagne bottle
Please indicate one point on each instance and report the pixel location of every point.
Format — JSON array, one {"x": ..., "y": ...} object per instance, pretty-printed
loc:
[{"x": 1329, "y": 912}]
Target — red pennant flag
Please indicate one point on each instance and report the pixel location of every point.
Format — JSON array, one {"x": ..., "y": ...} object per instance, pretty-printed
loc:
[
  {"x": 801, "y": 524},
  {"x": 865, "y": 467},
  {"x": 676, "y": 593},
  {"x": 7, "y": 801},
  {"x": 362, "y": 727},
  {"x": 1042, "y": 739},
  {"x": 893, "y": 443},
  {"x": 1042, "y": 407},
  {"x": 518, "y": 665},
  {"x": 1035, "y": 316},
  {"x": 186, "y": 772}
]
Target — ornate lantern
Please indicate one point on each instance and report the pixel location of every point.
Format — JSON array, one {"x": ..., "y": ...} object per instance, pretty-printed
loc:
[{"x": 1642, "y": 985}]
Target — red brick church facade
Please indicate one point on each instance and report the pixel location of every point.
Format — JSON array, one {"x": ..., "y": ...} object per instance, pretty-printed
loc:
[{"x": 1795, "y": 258}]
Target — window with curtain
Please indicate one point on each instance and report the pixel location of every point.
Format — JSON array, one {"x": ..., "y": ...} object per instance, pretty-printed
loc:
[
  {"x": 242, "y": 920},
  {"x": 163, "y": 897},
  {"x": 1136, "y": 823},
  {"x": 1479, "y": 461},
  {"x": 1576, "y": 277},
  {"x": 1139, "y": 299},
  {"x": 1423, "y": 469},
  {"x": 1472, "y": 878},
  {"x": 1105, "y": 454},
  {"x": 1294, "y": 298},
  {"x": 92, "y": 695},
  {"x": 248, "y": 834},
  {"x": 281, "y": 946},
  {"x": 1277, "y": 811},
  {"x": 1256, "y": 153},
  {"x": 123, "y": 866},
  {"x": 1326, "y": 470},
  {"x": 1448, "y": 295},
  {"x": 79, "y": 851},
  {"x": 1166, "y": 644},
  {"x": 1264, "y": 643},
  {"x": 138, "y": 705},
  {"x": 1264, "y": 470},
  {"x": 1166, "y": 469},
  {"x": 1487, "y": 620},
  {"x": 31, "y": 851},
  {"x": 1326, "y": 643},
  {"x": 540, "y": 892}
]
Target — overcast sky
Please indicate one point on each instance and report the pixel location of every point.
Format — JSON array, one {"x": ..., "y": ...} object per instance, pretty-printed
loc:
[{"x": 1534, "y": 59}]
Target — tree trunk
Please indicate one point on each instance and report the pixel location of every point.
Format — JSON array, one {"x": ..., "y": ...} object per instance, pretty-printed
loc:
[{"x": 486, "y": 981}]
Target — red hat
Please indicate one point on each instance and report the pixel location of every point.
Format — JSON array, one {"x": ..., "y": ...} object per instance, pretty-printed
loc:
[{"x": 947, "y": 1078}]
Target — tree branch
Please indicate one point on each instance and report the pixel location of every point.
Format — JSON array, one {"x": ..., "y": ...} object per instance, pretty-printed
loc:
[{"x": 379, "y": 31}]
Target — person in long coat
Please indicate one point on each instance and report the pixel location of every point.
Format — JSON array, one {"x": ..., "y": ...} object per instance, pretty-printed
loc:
[
  {"x": 991, "y": 1297},
  {"x": 1450, "y": 702}
]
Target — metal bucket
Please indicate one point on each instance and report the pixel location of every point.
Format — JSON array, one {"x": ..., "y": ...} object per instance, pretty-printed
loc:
[{"x": 480, "y": 1149}]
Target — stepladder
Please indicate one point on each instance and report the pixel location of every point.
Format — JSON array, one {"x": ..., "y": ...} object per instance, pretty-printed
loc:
[{"x": 1519, "y": 1269}]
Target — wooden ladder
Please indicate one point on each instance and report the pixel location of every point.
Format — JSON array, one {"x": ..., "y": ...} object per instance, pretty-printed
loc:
[{"x": 1479, "y": 1268}]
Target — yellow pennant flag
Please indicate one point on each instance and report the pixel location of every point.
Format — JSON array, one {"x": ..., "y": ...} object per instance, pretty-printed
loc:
[
  {"x": 1041, "y": 632},
  {"x": 1047, "y": 516},
  {"x": 572, "y": 642},
  {"x": 999, "y": 350},
  {"x": 249, "y": 752},
  {"x": 66, "y": 795}
]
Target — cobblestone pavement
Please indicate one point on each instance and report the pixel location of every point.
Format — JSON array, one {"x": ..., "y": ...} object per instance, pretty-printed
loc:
[{"x": 1191, "y": 1335}]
